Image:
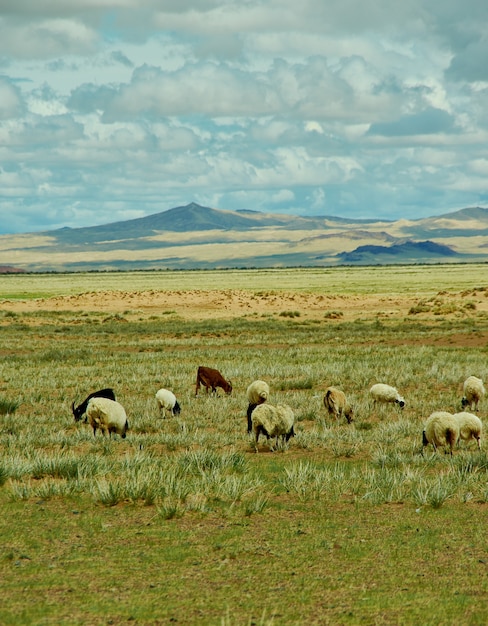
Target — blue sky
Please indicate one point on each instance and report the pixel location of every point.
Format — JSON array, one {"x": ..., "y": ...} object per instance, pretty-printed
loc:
[{"x": 116, "y": 109}]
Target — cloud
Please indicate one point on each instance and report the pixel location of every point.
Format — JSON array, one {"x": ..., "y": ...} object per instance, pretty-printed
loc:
[
  {"x": 428, "y": 122},
  {"x": 119, "y": 57},
  {"x": 46, "y": 39},
  {"x": 116, "y": 108},
  {"x": 470, "y": 64},
  {"x": 11, "y": 103}
]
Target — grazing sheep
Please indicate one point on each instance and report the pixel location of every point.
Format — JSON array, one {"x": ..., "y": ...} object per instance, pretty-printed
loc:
[
  {"x": 107, "y": 415},
  {"x": 441, "y": 429},
  {"x": 336, "y": 403},
  {"x": 272, "y": 421},
  {"x": 473, "y": 390},
  {"x": 385, "y": 393},
  {"x": 211, "y": 379},
  {"x": 257, "y": 393},
  {"x": 470, "y": 427},
  {"x": 167, "y": 401},
  {"x": 80, "y": 410}
]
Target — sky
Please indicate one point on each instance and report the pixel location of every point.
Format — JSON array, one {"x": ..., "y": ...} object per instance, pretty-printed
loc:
[{"x": 116, "y": 109}]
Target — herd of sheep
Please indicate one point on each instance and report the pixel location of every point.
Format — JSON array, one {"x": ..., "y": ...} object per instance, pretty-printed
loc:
[{"x": 276, "y": 423}]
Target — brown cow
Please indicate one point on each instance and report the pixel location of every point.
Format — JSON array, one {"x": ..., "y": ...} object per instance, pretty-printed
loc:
[{"x": 211, "y": 378}]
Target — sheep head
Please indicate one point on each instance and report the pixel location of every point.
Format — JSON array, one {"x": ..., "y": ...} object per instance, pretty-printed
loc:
[{"x": 77, "y": 413}]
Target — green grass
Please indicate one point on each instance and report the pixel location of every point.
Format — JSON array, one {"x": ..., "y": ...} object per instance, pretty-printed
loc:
[
  {"x": 424, "y": 280},
  {"x": 8, "y": 406},
  {"x": 183, "y": 522}
]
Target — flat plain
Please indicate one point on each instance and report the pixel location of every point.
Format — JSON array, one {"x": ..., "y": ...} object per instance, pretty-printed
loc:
[{"x": 183, "y": 522}]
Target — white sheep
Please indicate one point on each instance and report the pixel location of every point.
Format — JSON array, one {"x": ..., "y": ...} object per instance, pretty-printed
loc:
[
  {"x": 257, "y": 393},
  {"x": 336, "y": 403},
  {"x": 470, "y": 427},
  {"x": 441, "y": 429},
  {"x": 473, "y": 390},
  {"x": 167, "y": 401},
  {"x": 385, "y": 393},
  {"x": 107, "y": 415},
  {"x": 273, "y": 422}
]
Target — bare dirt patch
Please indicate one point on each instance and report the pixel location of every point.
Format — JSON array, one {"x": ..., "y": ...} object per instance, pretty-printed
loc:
[{"x": 228, "y": 303}]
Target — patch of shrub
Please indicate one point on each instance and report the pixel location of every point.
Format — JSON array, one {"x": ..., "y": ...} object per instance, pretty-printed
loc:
[
  {"x": 290, "y": 314},
  {"x": 333, "y": 315},
  {"x": 8, "y": 406}
]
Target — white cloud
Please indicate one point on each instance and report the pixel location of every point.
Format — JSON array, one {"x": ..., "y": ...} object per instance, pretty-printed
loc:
[
  {"x": 113, "y": 108},
  {"x": 10, "y": 100},
  {"x": 46, "y": 39}
]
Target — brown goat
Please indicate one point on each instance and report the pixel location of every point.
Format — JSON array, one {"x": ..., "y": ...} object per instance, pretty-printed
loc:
[{"x": 211, "y": 379}]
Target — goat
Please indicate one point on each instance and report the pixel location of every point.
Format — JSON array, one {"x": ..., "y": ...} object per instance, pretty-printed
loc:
[{"x": 211, "y": 378}]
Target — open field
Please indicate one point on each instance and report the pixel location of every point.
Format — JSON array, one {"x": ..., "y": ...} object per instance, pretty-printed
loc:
[
  {"x": 370, "y": 291},
  {"x": 182, "y": 522}
]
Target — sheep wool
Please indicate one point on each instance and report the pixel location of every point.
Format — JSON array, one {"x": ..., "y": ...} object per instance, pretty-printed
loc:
[
  {"x": 257, "y": 393},
  {"x": 441, "y": 429},
  {"x": 80, "y": 410},
  {"x": 385, "y": 393},
  {"x": 336, "y": 403},
  {"x": 473, "y": 390},
  {"x": 107, "y": 415},
  {"x": 470, "y": 427},
  {"x": 167, "y": 401},
  {"x": 273, "y": 422}
]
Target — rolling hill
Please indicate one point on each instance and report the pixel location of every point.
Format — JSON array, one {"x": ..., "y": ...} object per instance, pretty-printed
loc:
[{"x": 195, "y": 237}]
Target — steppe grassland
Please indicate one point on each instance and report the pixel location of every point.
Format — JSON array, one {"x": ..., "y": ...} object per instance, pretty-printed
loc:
[
  {"x": 183, "y": 521},
  {"x": 425, "y": 279}
]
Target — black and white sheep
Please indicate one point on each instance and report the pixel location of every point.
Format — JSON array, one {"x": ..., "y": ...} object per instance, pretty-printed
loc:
[
  {"x": 336, "y": 403},
  {"x": 380, "y": 392},
  {"x": 470, "y": 427},
  {"x": 257, "y": 393},
  {"x": 167, "y": 401},
  {"x": 473, "y": 392},
  {"x": 275, "y": 422},
  {"x": 441, "y": 430},
  {"x": 80, "y": 410},
  {"x": 107, "y": 415}
]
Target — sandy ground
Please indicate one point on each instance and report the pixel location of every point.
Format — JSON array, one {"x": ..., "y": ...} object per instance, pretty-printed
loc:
[{"x": 201, "y": 304}]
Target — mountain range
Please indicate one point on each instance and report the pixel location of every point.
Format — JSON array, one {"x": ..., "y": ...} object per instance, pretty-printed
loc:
[{"x": 198, "y": 237}]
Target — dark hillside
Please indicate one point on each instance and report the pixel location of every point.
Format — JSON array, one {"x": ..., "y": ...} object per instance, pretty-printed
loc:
[{"x": 406, "y": 252}]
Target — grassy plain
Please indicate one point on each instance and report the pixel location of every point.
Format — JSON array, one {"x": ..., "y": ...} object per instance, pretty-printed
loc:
[
  {"x": 183, "y": 522},
  {"x": 406, "y": 279}
]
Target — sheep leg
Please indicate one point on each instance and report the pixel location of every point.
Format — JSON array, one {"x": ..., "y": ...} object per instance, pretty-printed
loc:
[
  {"x": 250, "y": 409},
  {"x": 255, "y": 438},
  {"x": 259, "y": 430},
  {"x": 290, "y": 434}
]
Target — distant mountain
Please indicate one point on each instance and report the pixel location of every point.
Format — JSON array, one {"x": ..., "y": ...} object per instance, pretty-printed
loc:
[
  {"x": 183, "y": 219},
  {"x": 463, "y": 223},
  {"x": 407, "y": 252},
  {"x": 8, "y": 269},
  {"x": 474, "y": 213},
  {"x": 194, "y": 236}
]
